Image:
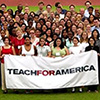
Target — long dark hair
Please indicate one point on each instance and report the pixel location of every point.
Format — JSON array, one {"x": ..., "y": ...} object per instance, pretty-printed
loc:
[
  {"x": 61, "y": 45},
  {"x": 89, "y": 41},
  {"x": 97, "y": 33}
]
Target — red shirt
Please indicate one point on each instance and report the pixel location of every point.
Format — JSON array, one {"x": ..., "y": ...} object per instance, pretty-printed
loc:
[
  {"x": 6, "y": 51},
  {"x": 17, "y": 44},
  {"x": 12, "y": 38}
]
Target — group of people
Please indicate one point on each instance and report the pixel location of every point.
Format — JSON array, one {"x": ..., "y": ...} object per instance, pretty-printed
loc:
[{"x": 48, "y": 33}]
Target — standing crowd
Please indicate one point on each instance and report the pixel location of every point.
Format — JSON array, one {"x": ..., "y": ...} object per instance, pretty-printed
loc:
[{"x": 49, "y": 33}]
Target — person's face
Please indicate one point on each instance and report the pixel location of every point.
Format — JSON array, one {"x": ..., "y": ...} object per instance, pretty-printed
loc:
[
  {"x": 42, "y": 42},
  {"x": 90, "y": 11},
  {"x": 79, "y": 31},
  {"x": 48, "y": 8},
  {"x": 96, "y": 22},
  {"x": 25, "y": 16},
  {"x": 21, "y": 22},
  {"x": 41, "y": 6},
  {"x": 32, "y": 14},
  {"x": 27, "y": 9},
  {"x": 62, "y": 22},
  {"x": 82, "y": 11},
  {"x": 64, "y": 34},
  {"x": 48, "y": 32},
  {"x": 88, "y": 28},
  {"x": 70, "y": 35},
  {"x": 37, "y": 33},
  {"x": 58, "y": 42},
  {"x": 41, "y": 21},
  {"x": 74, "y": 28},
  {"x": 19, "y": 33},
  {"x": 36, "y": 18},
  {"x": 53, "y": 26},
  {"x": 75, "y": 41},
  {"x": 60, "y": 27},
  {"x": 80, "y": 25},
  {"x": 44, "y": 28},
  {"x": 69, "y": 23},
  {"x": 5, "y": 26},
  {"x": 23, "y": 27},
  {"x": 14, "y": 32},
  {"x": 59, "y": 10},
  {"x": 9, "y": 18},
  {"x": 2, "y": 34},
  {"x": 11, "y": 22},
  {"x": 2, "y": 19},
  {"x": 30, "y": 23},
  {"x": 38, "y": 25},
  {"x": 48, "y": 24},
  {"x": 32, "y": 33},
  {"x": 68, "y": 14},
  {"x": 6, "y": 41},
  {"x": 91, "y": 41},
  {"x": 55, "y": 37},
  {"x": 91, "y": 18},
  {"x": 95, "y": 34},
  {"x": 17, "y": 18},
  {"x": 57, "y": 17},
  {"x": 88, "y": 5},
  {"x": 6, "y": 14},
  {"x": 84, "y": 36},
  {"x": 86, "y": 22},
  {"x": 72, "y": 8},
  {"x": 20, "y": 7},
  {"x": 3, "y": 8},
  {"x": 27, "y": 41},
  {"x": 57, "y": 30}
]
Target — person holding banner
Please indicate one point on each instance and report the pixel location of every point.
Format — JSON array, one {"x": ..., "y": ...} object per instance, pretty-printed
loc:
[
  {"x": 76, "y": 49},
  {"x": 28, "y": 49},
  {"x": 43, "y": 49},
  {"x": 59, "y": 50},
  {"x": 5, "y": 50},
  {"x": 92, "y": 46}
]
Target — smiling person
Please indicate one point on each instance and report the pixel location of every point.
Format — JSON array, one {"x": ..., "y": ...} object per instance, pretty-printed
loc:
[
  {"x": 75, "y": 49},
  {"x": 18, "y": 41},
  {"x": 59, "y": 50},
  {"x": 28, "y": 49},
  {"x": 43, "y": 49},
  {"x": 92, "y": 46},
  {"x": 5, "y": 50}
]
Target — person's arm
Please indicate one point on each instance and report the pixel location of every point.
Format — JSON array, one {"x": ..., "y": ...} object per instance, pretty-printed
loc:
[
  {"x": 20, "y": 51},
  {"x": 0, "y": 53},
  {"x": 14, "y": 53},
  {"x": 35, "y": 51},
  {"x": 49, "y": 54},
  {"x": 49, "y": 51},
  {"x": 67, "y": 51},
  {"x": 1, "y": 56}
]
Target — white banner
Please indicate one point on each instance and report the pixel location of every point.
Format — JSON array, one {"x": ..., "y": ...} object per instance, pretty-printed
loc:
[{"x": 51, "y": 73}]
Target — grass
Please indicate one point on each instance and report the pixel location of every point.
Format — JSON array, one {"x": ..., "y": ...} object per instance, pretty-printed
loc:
[
  {"x": 50, "y": 96},
  {"x": 35, "y": 8}
]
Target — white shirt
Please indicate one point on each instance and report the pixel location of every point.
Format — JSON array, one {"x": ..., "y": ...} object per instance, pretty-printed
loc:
[
  {"x": 84, "y": 45},
  {"x": 28, "y": 53},
  {"x": 75, "y": 50},
  {"x": 86, "y": 13},
  {"x": 43, "y": 51},
  {"x": 1, "y": 42}
]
